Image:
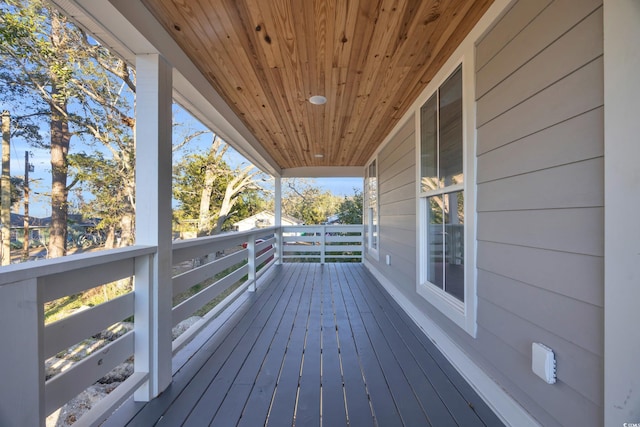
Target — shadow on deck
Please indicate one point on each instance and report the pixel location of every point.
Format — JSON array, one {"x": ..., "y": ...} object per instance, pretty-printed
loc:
[{"x": 315, "y": 345}]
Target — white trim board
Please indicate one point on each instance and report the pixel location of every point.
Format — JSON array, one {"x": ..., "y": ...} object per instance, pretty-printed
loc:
[
  {"x": 505, "y": 407},
  {"x": 621, "y": 204},
  {"x": 323, "y": 172}
]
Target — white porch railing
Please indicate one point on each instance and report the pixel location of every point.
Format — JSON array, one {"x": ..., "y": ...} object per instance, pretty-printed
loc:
[
  {"x": 204, "y": 269},
  {"x": 323, "y": 243}
]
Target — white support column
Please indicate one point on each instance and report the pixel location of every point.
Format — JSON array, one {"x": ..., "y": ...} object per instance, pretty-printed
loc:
[
  {"x": 278, "y": 218},
  {"x": 153, "y": 221},
  {"x": 622, "y": 204},
  {"x": 22, "y": 355}
]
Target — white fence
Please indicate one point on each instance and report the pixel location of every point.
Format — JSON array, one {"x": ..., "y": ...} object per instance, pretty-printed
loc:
[
  {"x": 323, "y": 243},
  {"x": 204, "y": 268}
]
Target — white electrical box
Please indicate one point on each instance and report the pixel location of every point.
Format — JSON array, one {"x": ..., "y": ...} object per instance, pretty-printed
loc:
[{"x": 543, "y": 362}]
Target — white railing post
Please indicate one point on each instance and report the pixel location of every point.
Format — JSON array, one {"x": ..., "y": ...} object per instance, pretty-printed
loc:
[
  {"x": 277, "y": 234},
  {"x": 278, "y": 218},
  {"x": 153, "y": 212},
  {"x": 143, "y": 321},
  {"x": 361, "y": 243},
  {"x": 323, "y": 242},
  {"x": 22, "y": 355},
  {"x": 251, "y": 259}
]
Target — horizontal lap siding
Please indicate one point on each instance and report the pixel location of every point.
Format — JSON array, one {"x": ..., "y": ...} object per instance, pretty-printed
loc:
[
  {"x": 540, "y": 205},
  {"x": 539, "y": 175},
  {"x": 397, "y": 197}
]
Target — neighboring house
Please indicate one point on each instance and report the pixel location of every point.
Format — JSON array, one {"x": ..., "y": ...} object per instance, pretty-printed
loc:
[
  {"x": 332, "y": 219},
  {"x": 39, "y": 227},
  {"x": 264, "y": 219}
]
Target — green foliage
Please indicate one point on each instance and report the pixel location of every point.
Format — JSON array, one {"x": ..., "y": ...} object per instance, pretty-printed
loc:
[
  {"x": 17, "y": 190},
  {"x": 63, "y": 307},
  {"x": 40, "y": 51},
  {"x": 350, "y": 210},
  {"x": 102, "y": 177},
  {"x": 56, "y": 77},
  {"x": 304, "y": 201},
  {"x": 189, "y": 182}
]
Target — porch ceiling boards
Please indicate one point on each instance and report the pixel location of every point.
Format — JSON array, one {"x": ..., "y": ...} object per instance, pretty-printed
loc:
[
  {"x": 316, "y": 345},
  {"x": 370, "y": 59}
]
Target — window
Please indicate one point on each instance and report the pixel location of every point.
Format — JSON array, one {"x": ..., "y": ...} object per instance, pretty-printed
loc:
[
  {"x": 372, "y": 208},
  {"x": 446, "y": 279}
]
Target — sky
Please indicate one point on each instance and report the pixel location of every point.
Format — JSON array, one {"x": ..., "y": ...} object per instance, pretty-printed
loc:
[{"x": 40, "y": 178}]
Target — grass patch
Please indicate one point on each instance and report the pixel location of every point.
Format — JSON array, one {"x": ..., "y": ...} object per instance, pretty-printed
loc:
[{"x": 59, "y": 309}]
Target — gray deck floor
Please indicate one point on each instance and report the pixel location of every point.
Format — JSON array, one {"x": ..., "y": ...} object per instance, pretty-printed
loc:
[{"x": 315, "y": 346}]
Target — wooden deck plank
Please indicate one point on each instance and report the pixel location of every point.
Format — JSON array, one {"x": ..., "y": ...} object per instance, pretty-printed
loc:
[
  {"x": 308, "y": 405},
  {"x": 436, "y": 411},
  {"x": 408, "y": 406},
  {"x": 333, "y": 411},
  {"x": 193, "y": 391},
  {"x": 463, "y": 402},
  {"x": 355, "y": 391},
  {"x": 283, "y": 404},
  {"x": 251, "y": 348},
  {"x": 194, "y": 367},
  {"x": 231, "y": 409},
  {"x": 319, "y": 345},
  {"x": 259, "y": 401},
  {"x": 457, "y": 406},
  {"x": 268, "y": 342},
  {"x": 382, "y": 402}
]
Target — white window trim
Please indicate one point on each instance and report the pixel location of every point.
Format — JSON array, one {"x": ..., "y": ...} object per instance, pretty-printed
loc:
[
  {"x": 373, "y": 252},
  {"x": 461, "y": 313}
]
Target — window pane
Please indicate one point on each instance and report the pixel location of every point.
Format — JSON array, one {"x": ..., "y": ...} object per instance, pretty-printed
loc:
[
  {"x": 454, "y": 244},
  {"x": 435, "y": 241},
  {"x": 451, "y": 130},
  {"x": 372, "y": 196},
  {"x": 429, "y": 144},
  {"x": 374, "y": 229},
  {"x": 374, "y": 213}
]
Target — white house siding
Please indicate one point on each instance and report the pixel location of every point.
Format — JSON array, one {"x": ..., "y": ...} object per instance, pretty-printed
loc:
[
  {"x": 396, "y": 192},
  {"x": 540, "y": 192}
]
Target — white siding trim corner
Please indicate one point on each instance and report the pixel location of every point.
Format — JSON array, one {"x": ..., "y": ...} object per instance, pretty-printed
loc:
[
  {"x": 505, "y": 407},
  {"x": 622, "y": 202}
]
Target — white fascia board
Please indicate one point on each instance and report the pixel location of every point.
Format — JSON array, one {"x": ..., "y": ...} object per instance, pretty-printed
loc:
[
  {"x": 128, "y": 29},
  {"x": 324, "y": 172}
]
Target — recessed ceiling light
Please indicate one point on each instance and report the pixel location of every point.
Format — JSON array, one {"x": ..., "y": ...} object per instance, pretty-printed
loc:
[
  {"x": 319, "y": 156},
  {"x": 317, "y": 100}
]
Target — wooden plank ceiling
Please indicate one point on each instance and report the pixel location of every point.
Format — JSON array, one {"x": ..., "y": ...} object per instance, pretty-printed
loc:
[{"x": 369, "y": 58}]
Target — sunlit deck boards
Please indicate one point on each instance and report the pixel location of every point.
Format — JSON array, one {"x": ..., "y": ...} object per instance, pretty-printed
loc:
[{"x": 318, "y": 345}]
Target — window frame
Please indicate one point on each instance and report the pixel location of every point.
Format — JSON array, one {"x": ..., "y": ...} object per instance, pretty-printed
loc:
[
  {"x": 462, "y": 313},
  {"x": 373, "y": 250}
]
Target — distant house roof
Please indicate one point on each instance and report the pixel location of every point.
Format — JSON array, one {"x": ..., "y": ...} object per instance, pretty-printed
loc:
[
  {"x": 333, "y": 219},
  {"x": 17, "y": 221},
  {"x": 264, "y": 219}
]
